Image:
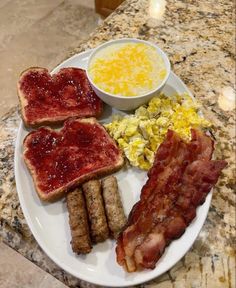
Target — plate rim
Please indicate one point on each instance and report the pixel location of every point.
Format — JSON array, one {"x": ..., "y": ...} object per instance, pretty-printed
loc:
[{"x": 40, "y": 240}]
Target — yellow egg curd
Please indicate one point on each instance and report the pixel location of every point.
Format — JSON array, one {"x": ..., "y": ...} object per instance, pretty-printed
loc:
[
  {"x": 140, "y": 134},
  {"x": 127, "y": 69}
]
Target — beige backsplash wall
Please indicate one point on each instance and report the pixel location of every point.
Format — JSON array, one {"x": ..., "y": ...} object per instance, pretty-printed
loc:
[{"x": 37, "y": 33}]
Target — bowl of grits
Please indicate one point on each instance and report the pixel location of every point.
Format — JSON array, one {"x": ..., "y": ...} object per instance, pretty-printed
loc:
[{"x": 127, "y": 73}]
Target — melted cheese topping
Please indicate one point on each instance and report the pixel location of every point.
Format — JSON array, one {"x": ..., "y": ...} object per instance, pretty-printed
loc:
[{"x": 127, "y": 69}]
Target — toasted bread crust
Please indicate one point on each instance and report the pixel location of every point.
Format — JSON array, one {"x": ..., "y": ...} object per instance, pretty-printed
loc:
[
  {"x": 60, "y": 192},
  {"x": 21, "y": 97},
  {"x": 55, "y": 120}
]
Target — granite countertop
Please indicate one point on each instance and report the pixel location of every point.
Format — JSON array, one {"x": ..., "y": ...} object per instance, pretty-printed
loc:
[{"x": 199, "y": 38}]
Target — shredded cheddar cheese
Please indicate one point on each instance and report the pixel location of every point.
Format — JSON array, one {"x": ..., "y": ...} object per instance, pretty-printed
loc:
[{"x": 127, "y": 69}]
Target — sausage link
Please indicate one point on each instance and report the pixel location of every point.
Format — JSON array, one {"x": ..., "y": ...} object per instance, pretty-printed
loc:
[
  {"x": 78, "y": 221},
  {"x": 97, "y": 217},
  {"x": 113, "y": 205}
]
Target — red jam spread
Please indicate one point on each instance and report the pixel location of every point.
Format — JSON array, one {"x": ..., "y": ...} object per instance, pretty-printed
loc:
[
  {"x": 67, "y": 93},
  {"x": 79, "y": 148}
]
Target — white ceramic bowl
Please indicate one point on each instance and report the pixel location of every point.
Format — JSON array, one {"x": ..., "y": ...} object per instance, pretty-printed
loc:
[{"x": 126, "y": 102}]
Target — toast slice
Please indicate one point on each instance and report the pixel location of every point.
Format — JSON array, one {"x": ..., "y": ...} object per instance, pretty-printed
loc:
[
  {"x": 61, "y": 160},
  {"x": 50, "y": 99}
]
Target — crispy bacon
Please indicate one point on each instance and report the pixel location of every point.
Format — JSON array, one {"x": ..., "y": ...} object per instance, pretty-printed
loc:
[
  {"x": 164, "y": 171},
  {"x": 179, "y": 181},
  {"x": 198, "y": 179},
  {"x": 170, "y": 152},
  {"x": 201, "y": 146}
]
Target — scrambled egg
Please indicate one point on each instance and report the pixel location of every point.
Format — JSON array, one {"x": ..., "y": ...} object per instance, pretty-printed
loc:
[{"x": 139, "y": 135}]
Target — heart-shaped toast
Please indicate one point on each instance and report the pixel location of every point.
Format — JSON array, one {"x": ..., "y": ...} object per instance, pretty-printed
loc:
[
  {"x": 49, "y": 99},
  {"x": 60, "y": 160}
]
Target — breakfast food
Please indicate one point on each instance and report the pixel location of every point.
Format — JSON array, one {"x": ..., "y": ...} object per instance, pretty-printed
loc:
[
  {"x": 78, "y": 220},
  {"x": 182, "y": 173},
  {"x": 89, "y": 210},
  {"x": 113, "y": 205},
  {"x": 127, "y": 69},
  {"x": 96, "y": 213},
  {"x": 50, "y": 99},
  {"x": 139, "y": 135},
  {"x": 178, "y": 182},
  {"x": 60, "y": 160}
]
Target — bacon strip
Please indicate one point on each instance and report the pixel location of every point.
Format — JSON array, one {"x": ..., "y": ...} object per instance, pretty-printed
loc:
[
  {"x": 172, "y": 150},
  {"x": 179, "y": 181},
  {"x": 198, "y": 179},
  {"x": 162, "y": 171},
  {"x": 200, "y": 147}
]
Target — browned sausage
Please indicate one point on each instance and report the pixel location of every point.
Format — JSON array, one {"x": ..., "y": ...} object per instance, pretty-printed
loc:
[
  {"x": 78, "y": 221},
  {"x": 97, "y": 217},
  {"x": 113, "y": 205}
]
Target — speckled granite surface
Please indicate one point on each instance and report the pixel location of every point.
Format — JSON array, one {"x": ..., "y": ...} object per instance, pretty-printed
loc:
[{"x": 199, "y": 38}]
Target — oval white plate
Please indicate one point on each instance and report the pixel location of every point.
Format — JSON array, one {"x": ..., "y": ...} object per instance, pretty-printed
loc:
[{"x": 49, "y": 222}]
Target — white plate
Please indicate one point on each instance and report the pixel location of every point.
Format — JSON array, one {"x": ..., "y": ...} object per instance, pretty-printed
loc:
[{"x": 49, "y": 222}]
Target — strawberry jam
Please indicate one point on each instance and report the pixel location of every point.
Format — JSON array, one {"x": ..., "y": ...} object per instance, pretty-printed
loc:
[
  {"x": 58, "y": 158},
  {"x": 56, "y": 97}
]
